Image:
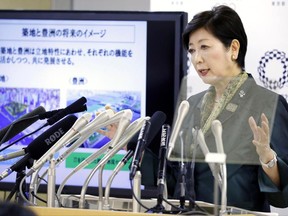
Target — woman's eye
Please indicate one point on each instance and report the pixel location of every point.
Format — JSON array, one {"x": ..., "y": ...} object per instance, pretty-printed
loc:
[
  {"x": 204, "y": 47},
  {"x": 191, "y": 51}
]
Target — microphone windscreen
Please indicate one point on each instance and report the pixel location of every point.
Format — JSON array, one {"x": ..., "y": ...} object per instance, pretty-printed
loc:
[
  {"x": 46, "y": 140},
  {"x": 72, "y": 108},
  {"x": 21, "y": 124},
  {"x": 77, "y": 106},
  {"x": 157, "y": 120}
]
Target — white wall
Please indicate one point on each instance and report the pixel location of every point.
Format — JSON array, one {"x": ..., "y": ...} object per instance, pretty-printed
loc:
[{"x": 125, "y": 5}]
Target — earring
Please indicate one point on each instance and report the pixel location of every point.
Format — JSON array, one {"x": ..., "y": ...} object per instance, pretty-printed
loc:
[{"x": 233, "y": 58}]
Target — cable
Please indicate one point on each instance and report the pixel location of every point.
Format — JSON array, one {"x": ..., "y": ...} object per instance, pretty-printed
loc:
[
  {"x": 37, "y": 197},
  {"x": 22, "y": 138},
  {"x": 22, "y": 193}
]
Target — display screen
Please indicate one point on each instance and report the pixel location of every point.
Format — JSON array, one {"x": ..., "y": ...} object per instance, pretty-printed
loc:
[{"x": 124, "y": 60}]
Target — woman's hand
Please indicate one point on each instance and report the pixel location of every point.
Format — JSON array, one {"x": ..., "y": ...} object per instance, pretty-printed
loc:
[
  {"x": 262, "y": 143},
  {"x": 262, "y": 138},
  {"x": 110, "y": 130}
]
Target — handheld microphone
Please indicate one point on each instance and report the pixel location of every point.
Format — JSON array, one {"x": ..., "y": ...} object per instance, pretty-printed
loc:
[
  {"x": 41, "y": 144},
  {"x": 79, "y": 123},
  {"x": 20, "y": 124},
  {"x": 182, "y": 112},
  {"x": 77, "y": 106}
]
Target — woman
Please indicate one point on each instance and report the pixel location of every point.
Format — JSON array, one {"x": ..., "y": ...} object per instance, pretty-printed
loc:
[{"x": 257, "y": 170}]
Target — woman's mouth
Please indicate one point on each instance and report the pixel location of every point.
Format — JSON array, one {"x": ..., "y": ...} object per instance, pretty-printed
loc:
[{"x": 203, "y": 72}]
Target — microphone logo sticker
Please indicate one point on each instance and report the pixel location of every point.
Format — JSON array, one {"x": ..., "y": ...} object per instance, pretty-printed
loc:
[
  {"x": 56, "y": 135},
  {"x": 163, "y": 137},
  {"x": 141, "y": 134}
]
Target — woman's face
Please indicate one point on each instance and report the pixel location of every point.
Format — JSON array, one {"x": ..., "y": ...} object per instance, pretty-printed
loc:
[{"x": 212, "y": 61}]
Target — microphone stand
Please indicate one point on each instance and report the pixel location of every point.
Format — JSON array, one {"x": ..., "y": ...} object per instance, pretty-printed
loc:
[
  {"x": 16, "y": 190},
  {"x": 51, "y": 183},
  {"x": 220, "y": 160},
  {"x": 182, "y": 186},
  {"x": 136, "y": 191},
  {"x": 182, "y": 174},
  {"x": 119, "y": 166}
]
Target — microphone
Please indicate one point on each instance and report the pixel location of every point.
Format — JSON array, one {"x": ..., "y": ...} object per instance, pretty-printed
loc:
[
  {"x": 182, "y": 112},
  {"x": 142, "y": 139},
  {"x": 165, "y": 133},
  {"x": 85, "y": 132},
  {"x": 49, "y": 114},
  {"x": 199, "y": 137},
  {"x": 41, "y": 144},
  {"x": 158, "y": 117},
  {"x": 151, "y": 127},
  {"x": 77, "y": 106},
  {"x": 157, "y": 120},
  {"x": 20, "y": 124},
  {"x": 162, "y": 163},
  {"x": 79, "y": 123},
  {"x": 130, "y": 131},
  {"x": 12, "y": 155},
  {"x": 216, "y": 128},
  {"x": 124, "y": 160}
]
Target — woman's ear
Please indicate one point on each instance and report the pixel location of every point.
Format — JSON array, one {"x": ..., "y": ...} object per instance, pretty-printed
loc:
[{"x": 235, "y": 46}]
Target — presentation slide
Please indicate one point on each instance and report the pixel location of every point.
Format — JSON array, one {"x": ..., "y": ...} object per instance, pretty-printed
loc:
[{"x": 52, "y": 63}]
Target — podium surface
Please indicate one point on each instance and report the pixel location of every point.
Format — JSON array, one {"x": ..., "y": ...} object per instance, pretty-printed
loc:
[{"x": 46, "y": 211}]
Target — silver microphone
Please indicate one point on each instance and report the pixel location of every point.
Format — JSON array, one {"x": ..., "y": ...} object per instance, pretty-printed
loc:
[
  {"x": 95, "y": 155},
  {"x": 12, "y": 155},
  {"x": 131, "y": 131},
  {"x": 80, "y": 123},
  {"x": 216, "y": 128},
  {"x": 199, "y": 137},
  {"x": 182, "y": 112}
]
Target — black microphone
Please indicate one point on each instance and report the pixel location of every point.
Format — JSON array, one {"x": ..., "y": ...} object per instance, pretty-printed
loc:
[
  {"x": 147, "y": 133},
  {"x": 165, "y": 134},
  {"x": 142, "y": 139},
  {"x": 41, "y": 144},
  {"x": 72, "y": 108},
  {"x": 49, "y": 114},
  {"x": 157, "y": 119},
  {"x": 20, "y": 124}
]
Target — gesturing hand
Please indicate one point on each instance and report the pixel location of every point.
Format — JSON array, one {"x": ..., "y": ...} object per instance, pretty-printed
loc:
[
  {"x": 261, "y": 137},
  {"x": 110, "y": 130}
]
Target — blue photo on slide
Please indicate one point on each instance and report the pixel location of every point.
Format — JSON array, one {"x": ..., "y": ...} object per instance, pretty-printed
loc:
[{"x": 16, "y": 102}]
